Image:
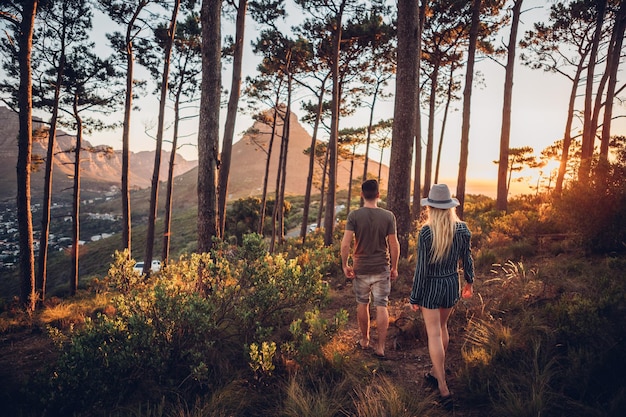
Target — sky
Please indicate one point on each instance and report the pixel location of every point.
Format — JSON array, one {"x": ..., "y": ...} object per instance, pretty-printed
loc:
[{"x": 538, "y": 115}]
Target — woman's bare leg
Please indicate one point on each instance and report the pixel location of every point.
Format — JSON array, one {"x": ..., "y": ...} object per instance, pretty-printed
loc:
[{"x": 436, "y": 348}]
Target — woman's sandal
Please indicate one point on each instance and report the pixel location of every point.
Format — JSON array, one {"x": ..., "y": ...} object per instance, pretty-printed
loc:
[
  {"x": 446, "y": 402},
  {"x": 431, "y": 380}
]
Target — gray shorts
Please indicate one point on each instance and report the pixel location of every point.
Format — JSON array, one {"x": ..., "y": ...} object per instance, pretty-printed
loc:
[{"x": 378, "y": 285}]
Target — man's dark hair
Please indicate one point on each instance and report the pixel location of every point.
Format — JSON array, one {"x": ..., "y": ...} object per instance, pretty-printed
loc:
[{"x": 370, "y": 189}]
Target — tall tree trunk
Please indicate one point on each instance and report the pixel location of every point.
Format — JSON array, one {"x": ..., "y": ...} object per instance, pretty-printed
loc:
[
  {"x": 283, "y": 180},
  {"x": 368, "y": 140},
  {"x": 23, "y": 167},
  {"x": 167, "y": 223},
  {"x": 428, "y": 161},
  {"x": 444, "y": 123},
  {"x": 128, "y": 106},
  {"x": 567, "y": 135},
  {"x": 505, "y": 131},
  {"x": 612, "y": 68},
  {"x": 321, "y": 208},
  {"x": 329, "y": 213},
  {"x": 154, "y": 195},
  {"x": 76, "y": 201},
  {"x": 277, "y": 218},
  {"x": 588, "y": 128},
  {"x": 467, "y": 99},
  {"x": 267, "y": 172},
  {"x": 417, "y": 169},
  {"x": 231, "y": 115},
  {"x": 42, "y": 260},
  {"x": 350, "y": 183},
  {"x": 208, "y": 130},
  {"x": 403, "y": 131},
  {"x": 309, "y": 182},
  {"x": 380, "y": 166}
]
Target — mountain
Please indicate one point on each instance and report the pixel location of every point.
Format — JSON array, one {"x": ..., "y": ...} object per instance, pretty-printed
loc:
[
  {"x": 248, "y": 166},
  {"x": 100, "y": 171},
  {"x": 249, "y": 157}
]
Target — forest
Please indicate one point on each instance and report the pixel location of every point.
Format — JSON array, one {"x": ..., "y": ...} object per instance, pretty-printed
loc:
[{"x": 243, "y": 320}]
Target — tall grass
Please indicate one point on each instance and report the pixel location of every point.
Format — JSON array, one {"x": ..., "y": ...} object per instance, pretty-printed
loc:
[{"x": 382, "y": 397}]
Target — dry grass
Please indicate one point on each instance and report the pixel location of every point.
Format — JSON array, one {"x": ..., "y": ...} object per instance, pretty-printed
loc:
[
  {"x": 383, "y": 397},
  {"x": 65, "y": 314}
]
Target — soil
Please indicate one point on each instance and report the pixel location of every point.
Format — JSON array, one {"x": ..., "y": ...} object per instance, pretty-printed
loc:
[{"x": 23, "y": 354}]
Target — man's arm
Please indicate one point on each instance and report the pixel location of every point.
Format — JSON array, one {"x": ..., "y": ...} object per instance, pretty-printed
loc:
[
  {"x": 346, "y": 242},
  {"x": 394, "y": 254}
]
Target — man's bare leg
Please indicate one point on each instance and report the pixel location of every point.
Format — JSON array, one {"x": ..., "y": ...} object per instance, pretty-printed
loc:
[
  {"x": 382, "y": 324},
  {"x": 363, "y": 320}
]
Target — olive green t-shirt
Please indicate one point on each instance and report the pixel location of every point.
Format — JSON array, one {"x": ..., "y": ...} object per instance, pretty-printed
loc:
[{"x": 371, "y": 226}]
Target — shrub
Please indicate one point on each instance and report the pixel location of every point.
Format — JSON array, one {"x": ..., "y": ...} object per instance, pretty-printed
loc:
[
  {"x": 595, "y": 210},
  {"x": 185, "y": 331}
]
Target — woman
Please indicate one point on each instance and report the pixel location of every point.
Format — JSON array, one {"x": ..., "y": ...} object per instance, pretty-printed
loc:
[{"x": 443, "y": 240}]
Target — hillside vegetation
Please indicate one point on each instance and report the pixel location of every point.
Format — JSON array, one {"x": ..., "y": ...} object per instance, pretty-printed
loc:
[{"x": 259, "y": 334}]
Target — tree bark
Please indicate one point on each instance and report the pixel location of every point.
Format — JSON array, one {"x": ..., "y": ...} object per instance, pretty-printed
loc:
[
  {"x": 154, "y": 194},
  {"x": 323, "y": 188},
  {"x": 612, "y": 68},
  {"x": 167, "y": 223},
  {"x": 444, "y": 123},
  {"x": 208, "y": 129},
  {"x": 467, "y": 99},
  {"x": 128, "y": 106},
  {"x": 505, "y": 131},
  {"x": 403, "y": 132},
  {"x": 277, "y": 213},
  {"x": 42, "y": 260},
  {"x": 417, "y": 169},
  {"x": 588, "y": 128},
  {"x": 329, "y": 213},
  {"x": 231, "y": 115},
  {"x": 309, "y": 182},
  {"x": 23, "y": 167},
  {"x": 567, "y": 135},
  {"x": 76, "y": 201},
  {"x": 267, "y": 171},
  {"x": 430, "y": 138}
]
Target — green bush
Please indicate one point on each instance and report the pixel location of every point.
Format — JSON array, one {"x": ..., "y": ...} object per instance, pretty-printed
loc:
[
  {"x": 595, "y": 209},
  {"x": 184, "y": 331}
]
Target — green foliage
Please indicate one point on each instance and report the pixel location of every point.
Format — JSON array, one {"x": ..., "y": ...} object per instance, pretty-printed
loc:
[
  {"x": 244, "y": 214},
  {"x": 185, "y": 330},
  {"x": 311, "y": 333},
  {"x": 121, "y": 276},
  {"x": 484, "y": 259},
  {"x": 262, "y": 358},
  {"x": 593, "y": 208},
  {"x": 557, "y": 357}
]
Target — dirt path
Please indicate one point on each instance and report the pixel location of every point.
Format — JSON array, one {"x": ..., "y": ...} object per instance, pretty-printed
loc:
[{"x": 406, "y": 346}]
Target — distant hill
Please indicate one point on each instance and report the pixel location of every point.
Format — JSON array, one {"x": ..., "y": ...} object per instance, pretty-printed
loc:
[
  {"x": 99, "y": 172},
  {"x": 248, "y": 167},
  {"x": 249, "y": 157}
]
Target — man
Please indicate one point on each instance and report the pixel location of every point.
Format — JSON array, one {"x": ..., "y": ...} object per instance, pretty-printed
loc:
[{"x": 374, "y": 262}]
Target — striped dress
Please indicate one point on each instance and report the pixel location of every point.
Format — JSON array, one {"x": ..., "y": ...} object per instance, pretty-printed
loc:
[{"x": 436, "y": 285}]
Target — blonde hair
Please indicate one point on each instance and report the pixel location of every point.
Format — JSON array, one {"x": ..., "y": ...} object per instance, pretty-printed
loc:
[{"x": 442, "y": 224}]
